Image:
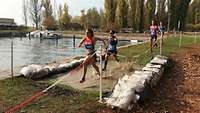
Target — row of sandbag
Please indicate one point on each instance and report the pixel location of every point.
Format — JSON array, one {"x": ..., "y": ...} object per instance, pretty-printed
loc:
[
  {"x": 37, "y": 71},
  {"x": 128, "y": 90}
]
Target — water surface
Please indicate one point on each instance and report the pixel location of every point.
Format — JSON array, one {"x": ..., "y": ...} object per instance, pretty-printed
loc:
[{"x": 35, "y": 51}]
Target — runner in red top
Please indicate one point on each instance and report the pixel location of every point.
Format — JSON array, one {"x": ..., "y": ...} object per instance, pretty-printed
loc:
[
  {"x": 153, "y": 33},
  {"x": 89, "y": 43}
]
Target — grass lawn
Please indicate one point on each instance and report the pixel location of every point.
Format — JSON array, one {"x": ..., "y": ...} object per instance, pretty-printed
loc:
[
  {"x": 171, "y": 46},
  {"x": 64, "y": 99}
]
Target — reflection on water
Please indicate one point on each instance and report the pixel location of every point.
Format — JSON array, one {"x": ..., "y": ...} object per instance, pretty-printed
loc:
[{"x": 38, "y": 51}]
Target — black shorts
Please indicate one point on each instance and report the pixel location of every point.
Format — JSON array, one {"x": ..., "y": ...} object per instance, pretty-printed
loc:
[
  {"x": 154, "y": 37},
  {"x": 109, "y": 52},
  {"x": 94, "y": 55}
]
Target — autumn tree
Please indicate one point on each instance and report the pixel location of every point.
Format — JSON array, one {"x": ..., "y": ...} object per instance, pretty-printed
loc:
[{"x": 48, "y": 22}]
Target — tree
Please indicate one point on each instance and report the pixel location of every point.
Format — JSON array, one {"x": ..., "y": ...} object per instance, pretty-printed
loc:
[
  {"x": 194, "y": 12},
  {"x": 110, "y": 12},
  {"x": 76, "y": 19},
  {"x": 141, "y": 15},
  {"x": 83, "y": 19},
  {"x": 35, "y": 12},
  {"x": 179, "y": 9},
  {"x": 92, "y": 18},
  {"x": 25, "y": 12},
  {"x": 102, "y": 19},
  {"x": 122, "y": 13},
  {"x": 65, "y": 19},
  {"x": 162, "y": 15},
  {"x": 132, "y": 13},
  {"x": 151, "y": 7},
  {"x": 48, "y": 21},
  {"x": 60, "y": 13}
]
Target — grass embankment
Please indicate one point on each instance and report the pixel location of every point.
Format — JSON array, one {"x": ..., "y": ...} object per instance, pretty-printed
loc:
[
  {"x": 64, "y": 99},
  {"x": 61, "y": 99}
]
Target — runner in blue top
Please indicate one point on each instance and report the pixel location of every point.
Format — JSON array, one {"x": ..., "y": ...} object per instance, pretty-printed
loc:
[
  {"x": 162, "y": 31},
  {"x": 111, "y": 48}
]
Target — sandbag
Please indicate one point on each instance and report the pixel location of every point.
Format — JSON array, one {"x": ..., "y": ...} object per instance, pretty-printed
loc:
[
  {"x": 157, "y": 60},
  {"x": 34, "y": 71},
  {"x": 137, "y": 87},
  {"x": 156, "y": 70},
  {"x": 125, "y": 99},
  {"x": 37, "y": 71},
  {"x": 153, "y": 66}
]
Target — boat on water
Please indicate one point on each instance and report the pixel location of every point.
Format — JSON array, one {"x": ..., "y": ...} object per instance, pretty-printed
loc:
[{"x": 47, "y": 34}]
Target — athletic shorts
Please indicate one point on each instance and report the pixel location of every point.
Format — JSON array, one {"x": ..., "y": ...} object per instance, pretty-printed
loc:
[
  {"x": 109, "y": 52},
  {"x": 94, "y": 54},
  {"x": 154, "y": 37}
]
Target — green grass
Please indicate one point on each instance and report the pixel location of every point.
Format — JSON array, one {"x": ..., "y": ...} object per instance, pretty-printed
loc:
[
  {"x": 61, "y": 99},
  {"x": 171, "y": 46}
]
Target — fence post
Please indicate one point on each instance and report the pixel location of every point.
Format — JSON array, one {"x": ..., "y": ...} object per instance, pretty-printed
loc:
[
  {"x": 195, "y": 37},
  {"x": 74, "y": 41},
  {"x": 101, "y": 74},
  {"x": 11, "y": 56},
  {"x": 161, "y": 42}
]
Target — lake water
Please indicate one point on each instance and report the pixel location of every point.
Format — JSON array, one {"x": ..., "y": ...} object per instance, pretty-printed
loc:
[{"x": 35, "y": 51}]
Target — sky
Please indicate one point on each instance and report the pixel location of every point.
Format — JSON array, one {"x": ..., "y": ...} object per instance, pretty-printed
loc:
[{"x": 13, "y": 8}]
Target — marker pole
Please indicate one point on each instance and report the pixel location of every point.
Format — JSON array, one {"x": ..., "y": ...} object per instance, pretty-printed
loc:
[{"x": 100, "y": 81}]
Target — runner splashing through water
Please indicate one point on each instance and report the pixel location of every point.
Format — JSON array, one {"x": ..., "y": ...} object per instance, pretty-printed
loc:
[{"x": 89, "y": 42}]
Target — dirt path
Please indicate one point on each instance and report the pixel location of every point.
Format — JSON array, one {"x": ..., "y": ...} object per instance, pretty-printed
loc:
[
  {"x": 179, "y": 90},
  {"x": 110, "y": 77}
]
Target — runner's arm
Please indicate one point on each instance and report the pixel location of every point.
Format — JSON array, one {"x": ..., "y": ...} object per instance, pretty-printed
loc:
[{"x": 81, "y": 42}]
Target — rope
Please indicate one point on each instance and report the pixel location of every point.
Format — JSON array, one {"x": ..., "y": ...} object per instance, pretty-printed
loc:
[{"x": 38, "y": 94}]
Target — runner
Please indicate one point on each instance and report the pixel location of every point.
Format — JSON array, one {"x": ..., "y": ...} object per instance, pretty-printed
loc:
[
  {"x": 111, "y": 49},
  {"x": 153, "y": 33},
  {"x": 89, "y": 42},
  {"x": 162, "y": 31}
]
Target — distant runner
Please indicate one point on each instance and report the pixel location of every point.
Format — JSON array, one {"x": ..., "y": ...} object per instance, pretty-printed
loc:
[
  {"x": 89, "y": 42},
  {"x": 153, "y": 33},
  {"x": 162, "y": 31},
  {"x": 111, "y": 49}
]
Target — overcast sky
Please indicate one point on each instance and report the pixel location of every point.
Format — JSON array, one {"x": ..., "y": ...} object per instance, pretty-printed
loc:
[{"x": 13, "y": 8}]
